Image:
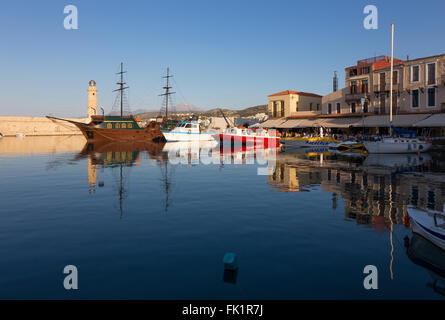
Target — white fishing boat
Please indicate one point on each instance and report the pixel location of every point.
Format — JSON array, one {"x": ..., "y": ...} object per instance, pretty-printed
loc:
[
  {"x": 398, "y": 144},
  {"x": 429, "y": 224},
  {"x": 187, "y": 131}
]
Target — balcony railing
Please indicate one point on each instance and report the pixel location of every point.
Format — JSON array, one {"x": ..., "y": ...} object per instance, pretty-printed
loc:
[
  {"x": 386, "y": 87},
  {"x": 354, "y": 96}
]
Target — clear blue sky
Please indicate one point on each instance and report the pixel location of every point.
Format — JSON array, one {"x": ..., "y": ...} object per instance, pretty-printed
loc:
[{"x": 222, "y": 53}]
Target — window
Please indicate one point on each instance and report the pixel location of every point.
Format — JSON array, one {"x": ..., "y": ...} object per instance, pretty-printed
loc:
[
  {"x": 415, "y": 98},
  {"x": 431, "y": 73},
  {"x": 318, "y": 106},
  {"x": 329, "y": 108},
  {"x": 365, "y": 107},
  {"x": 415, "y": 73},
  {"x": 109, "y": 126},
  {"x": 296, "y": 107},
  {"x": 338, "y": 108},
  {"x": 117, "y": 125},
  {"x": 282, "y": 108},
  {"x": 274, "y": 111},
  {"x": 395, "y": 77},
  {"x": 364, "y": 86},
  {"x": 188, "y": 125},
  {"x": 353, "y": 107},
  {"x": 130, "y": 125},
  {"x": 366, "y": 70},
  {"x": 124, "y": 125},
  {"x": 310, "y": 106},
  {"x": 353, "y": 85},
  {"x": 431, "y": 97}
]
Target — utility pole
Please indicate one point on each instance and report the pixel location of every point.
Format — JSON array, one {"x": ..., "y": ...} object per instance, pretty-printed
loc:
[{"x": 391, "y": 79}]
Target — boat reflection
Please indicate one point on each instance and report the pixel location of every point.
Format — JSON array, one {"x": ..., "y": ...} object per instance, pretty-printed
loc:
[
  {"x": 210, "y": 152},
  {"x": 425, "y": 254}
]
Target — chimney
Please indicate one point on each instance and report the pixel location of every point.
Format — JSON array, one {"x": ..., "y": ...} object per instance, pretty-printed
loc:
[{"x": 335, "y": 82}]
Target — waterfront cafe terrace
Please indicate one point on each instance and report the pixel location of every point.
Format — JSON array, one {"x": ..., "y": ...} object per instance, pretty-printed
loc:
[{"x": 432, "y": 124}]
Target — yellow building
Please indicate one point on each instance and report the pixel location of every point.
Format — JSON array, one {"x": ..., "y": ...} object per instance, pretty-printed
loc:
[{"x": 293, "y": 103}]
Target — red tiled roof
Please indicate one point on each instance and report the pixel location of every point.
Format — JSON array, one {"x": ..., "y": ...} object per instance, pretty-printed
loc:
[
  {"x": 383, "y": 64},
  {"x": 286, "y": 92}
]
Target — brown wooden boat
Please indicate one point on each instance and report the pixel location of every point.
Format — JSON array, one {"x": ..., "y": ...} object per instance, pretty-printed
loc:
[{"x": 117, "y": 128}]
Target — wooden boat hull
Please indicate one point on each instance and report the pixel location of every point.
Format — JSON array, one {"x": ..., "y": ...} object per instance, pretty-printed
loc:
[{"x": 150, "y": 133}]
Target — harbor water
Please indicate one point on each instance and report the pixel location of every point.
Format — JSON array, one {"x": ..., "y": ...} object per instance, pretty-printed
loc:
[{"x": 155, "y": 221}]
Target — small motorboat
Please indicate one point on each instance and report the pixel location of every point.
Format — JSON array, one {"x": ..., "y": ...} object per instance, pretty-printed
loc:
[
  {"x": 346, "y": 146},
  {"x": 304, "y": 142},
  {"x": 187, "y": 131},
  {"x": 429, "y": 224},
  {"x": 243, "y": 136}
]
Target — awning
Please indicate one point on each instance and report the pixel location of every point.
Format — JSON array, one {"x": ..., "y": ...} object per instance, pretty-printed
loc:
[
  {"x": 340, "y": 122},
  {"x": 436, "y": 120},
  {"x": 273, "y": 123},
  {"x": 401, "y": 120},
  {"x": 299, "y": 123}
]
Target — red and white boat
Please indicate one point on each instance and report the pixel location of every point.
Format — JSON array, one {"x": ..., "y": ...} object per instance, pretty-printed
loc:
[{"x": 245, "y": 136}]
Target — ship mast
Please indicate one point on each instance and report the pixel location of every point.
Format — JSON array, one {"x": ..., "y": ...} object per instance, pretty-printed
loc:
[
  {"x": 121, "y": 87},
  {"x": 167, "y": 93}
]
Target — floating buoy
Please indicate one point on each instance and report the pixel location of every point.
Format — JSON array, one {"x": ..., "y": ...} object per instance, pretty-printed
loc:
[
  {"x": 230, "y": 261},
  {"x": 101, "y": 184}
]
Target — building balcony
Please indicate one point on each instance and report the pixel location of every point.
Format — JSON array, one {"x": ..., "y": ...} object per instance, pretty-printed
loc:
[
  {"x": 355, "y": 96},
  {"x": 386, "y": 87}
]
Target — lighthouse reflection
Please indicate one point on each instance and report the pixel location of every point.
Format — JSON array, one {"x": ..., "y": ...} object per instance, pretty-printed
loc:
[{"x": 119, "y": 157}]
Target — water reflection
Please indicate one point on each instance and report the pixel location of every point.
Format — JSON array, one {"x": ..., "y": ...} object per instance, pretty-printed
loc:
[
  {"x": 122, "y": 156},
  {"x": 376, "y": 188}
]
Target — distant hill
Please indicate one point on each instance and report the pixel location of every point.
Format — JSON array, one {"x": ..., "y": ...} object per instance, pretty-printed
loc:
[
  {"x": 251, "y": 111},
  {"x": 189, "y": 108}
]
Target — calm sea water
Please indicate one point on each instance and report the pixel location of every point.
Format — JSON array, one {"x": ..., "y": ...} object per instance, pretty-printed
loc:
[{"x": 138, "y": 224}]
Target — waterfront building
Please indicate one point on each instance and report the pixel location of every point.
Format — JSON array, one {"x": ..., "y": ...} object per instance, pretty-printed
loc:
[
  {"x": 293, "y": 103},
  {"x": 418, "y": 98}
]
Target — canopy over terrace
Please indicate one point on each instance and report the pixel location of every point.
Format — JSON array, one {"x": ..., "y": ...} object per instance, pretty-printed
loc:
[
  {"x": 401, "y": 120},
  {"x": 435, "y": 120},
  {"x": 339, "y": 122}
]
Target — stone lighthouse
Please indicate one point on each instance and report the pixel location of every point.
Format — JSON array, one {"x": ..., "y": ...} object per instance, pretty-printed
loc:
[{"x": 92, "y": 99}]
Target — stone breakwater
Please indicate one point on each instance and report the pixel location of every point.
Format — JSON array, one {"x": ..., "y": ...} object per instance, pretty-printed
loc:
[{"x": 38, "y": 126}]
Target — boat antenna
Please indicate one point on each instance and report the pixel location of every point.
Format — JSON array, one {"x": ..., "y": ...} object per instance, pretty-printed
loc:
[
  {"x": 121, "y": 87},
  {"x": 391, "y": 79},
  {"x": 167, "y": 93}
]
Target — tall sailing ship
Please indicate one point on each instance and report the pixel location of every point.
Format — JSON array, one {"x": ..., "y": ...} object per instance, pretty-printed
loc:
[{"x": 117, "y": 128}]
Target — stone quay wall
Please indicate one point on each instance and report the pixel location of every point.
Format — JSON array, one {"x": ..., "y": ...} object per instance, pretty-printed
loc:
[{"x": 38, "y": 126}]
